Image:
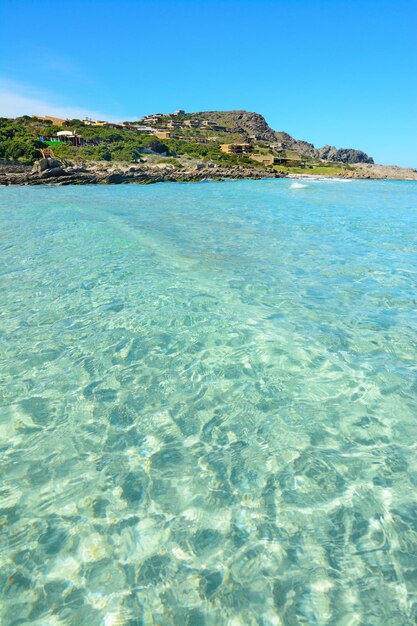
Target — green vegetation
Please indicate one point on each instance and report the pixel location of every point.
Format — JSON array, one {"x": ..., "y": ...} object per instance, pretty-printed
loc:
[
  {"x": 75, "y": 123},
  {"x": 17, "y": 142},
  {"x": 111, "y": 145},
  {"x": 129, "y": 146},
  {"x": 327, "y": 170},
  {"x": 316, "y": 168},
  {"x": 20, "y": 142},
  {"x": 171, "y": 161}
]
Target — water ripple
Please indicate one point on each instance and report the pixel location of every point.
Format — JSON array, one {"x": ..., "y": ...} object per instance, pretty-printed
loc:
[{"x": 207, "y": 405}]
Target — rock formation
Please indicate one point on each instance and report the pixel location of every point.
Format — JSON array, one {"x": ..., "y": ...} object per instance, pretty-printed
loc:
[
  {"x": 52, "y": 171},
  {"x": 254, "y": 126}
]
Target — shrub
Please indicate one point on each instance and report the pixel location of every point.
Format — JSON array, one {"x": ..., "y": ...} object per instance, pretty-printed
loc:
[
  {"x": 172, "y": 161},
  {"x": 23, "y": 149}
]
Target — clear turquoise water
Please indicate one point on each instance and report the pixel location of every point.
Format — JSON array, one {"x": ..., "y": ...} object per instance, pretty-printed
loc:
[{"x": 208, "y": 405}]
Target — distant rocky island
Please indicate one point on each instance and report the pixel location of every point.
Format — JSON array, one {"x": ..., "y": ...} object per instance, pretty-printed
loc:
[{"x": 178, "y": 146}]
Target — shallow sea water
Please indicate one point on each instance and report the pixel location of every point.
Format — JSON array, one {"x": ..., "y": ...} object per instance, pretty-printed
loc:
[{"x": 208, "y": 404}]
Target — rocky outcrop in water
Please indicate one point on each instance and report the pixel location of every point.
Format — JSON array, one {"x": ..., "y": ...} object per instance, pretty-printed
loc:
[{"x": 58, "y": 173}]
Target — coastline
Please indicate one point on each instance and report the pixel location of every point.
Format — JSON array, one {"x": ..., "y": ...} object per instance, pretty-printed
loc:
[
  {"x": 105, "y": 174},
  {"x": 53, "y": 172}
]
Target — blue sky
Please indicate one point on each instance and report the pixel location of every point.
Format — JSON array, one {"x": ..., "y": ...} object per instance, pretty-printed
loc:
[{"x": 336, "y": 72}]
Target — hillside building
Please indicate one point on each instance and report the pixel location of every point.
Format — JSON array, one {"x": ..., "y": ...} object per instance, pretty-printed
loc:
[
  {"x": 152, "y": 119},
  {"x": 270, "y": 159},
  {"x": 265, "y": 159},
  {"x": 293, "y": 160},
  {"x": 236, "y": 148},
  {"x": 148, "y": 130},
  {"x": 163, "y": 134},
  {"x": 66, "y": 136}
]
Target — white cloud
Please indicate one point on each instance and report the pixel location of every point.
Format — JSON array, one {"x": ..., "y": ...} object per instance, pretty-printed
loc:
[{"x": 18, "y": 100}]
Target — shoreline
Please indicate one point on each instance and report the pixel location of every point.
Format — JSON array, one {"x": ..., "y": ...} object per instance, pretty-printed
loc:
[
  {"x": 53, "y": 172},
  {"x": 98, "y": 174}
]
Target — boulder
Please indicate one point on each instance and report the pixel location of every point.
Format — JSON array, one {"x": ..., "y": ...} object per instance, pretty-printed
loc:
[
  {"x": 54, "y": 171},
  {"x": 115, "y": 178},
  {"x": 45, "y": 164}
]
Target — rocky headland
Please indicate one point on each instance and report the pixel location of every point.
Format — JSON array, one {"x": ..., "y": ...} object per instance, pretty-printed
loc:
[{"x": 254, "y": 127}]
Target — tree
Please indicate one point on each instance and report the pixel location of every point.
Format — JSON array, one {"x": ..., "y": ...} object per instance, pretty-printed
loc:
[
  {"x": 102, "y": 153},
  {"x": 20, "y": 149},
  {"x": 75, "y": 122}
]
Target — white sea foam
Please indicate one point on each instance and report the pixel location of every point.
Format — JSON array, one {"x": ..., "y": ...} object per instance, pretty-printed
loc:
[
  {"x": 331, "y": 180},
  {"x": 297, "y": 186}
]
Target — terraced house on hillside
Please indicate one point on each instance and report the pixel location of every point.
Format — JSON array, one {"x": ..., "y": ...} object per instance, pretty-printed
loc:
[{"x": 236, "y": 148}]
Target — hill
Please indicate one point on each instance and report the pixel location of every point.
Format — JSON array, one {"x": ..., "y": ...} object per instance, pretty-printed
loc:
[
  {"x": 186, "y": 146},
  {"x": 253, "y": 126}
]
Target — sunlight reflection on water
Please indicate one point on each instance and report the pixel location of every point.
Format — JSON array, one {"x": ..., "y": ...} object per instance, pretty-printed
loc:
[{"x": 208, "y": 404}]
